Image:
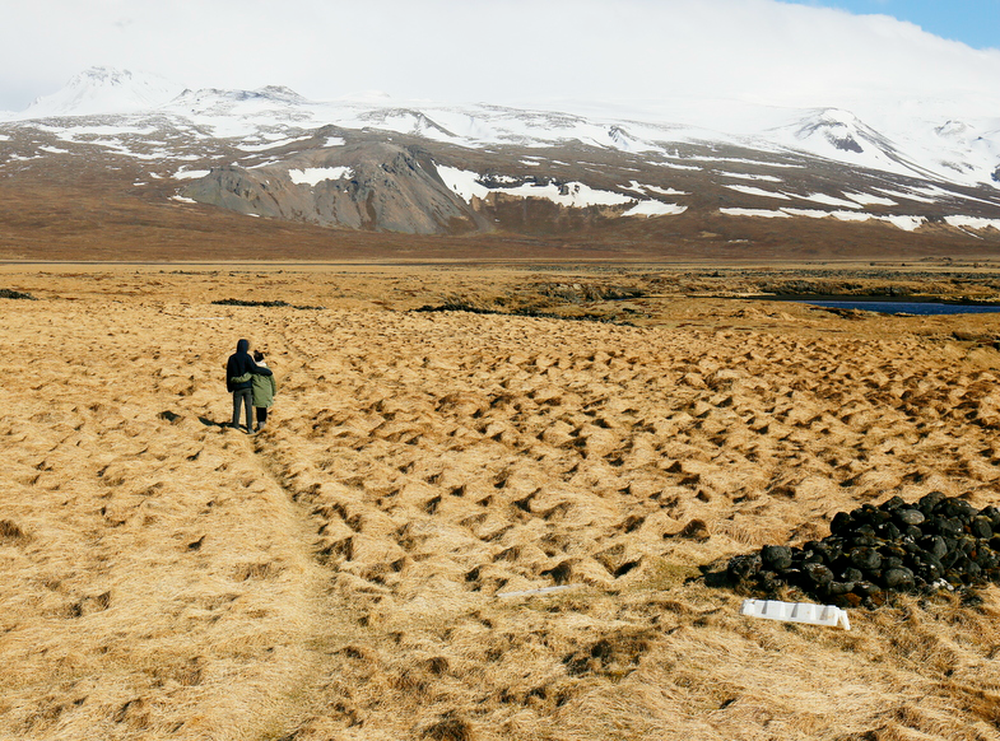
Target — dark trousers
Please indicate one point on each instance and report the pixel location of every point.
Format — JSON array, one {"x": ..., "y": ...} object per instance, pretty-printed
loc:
[
  {"x": 244, "y": 398},
  {"x": 261, "y": 415}
]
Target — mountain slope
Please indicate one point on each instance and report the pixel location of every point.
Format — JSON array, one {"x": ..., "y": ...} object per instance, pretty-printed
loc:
[{"x": 373, "y": 165}]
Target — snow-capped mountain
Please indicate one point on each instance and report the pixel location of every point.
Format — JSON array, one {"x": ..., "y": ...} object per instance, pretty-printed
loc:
[
  {"x": 372, "y": 163},
  {"x": 102, "y": 90}
]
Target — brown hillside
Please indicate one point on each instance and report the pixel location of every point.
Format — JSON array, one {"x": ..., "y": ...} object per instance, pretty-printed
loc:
[{"x": 67, "y": 207}]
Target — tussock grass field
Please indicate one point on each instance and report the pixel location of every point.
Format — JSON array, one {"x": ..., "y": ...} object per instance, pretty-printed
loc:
[{"x": 345, "y": 574}]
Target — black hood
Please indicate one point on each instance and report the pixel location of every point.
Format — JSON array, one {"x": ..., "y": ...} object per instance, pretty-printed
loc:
[{"x": 242, "y": 345}]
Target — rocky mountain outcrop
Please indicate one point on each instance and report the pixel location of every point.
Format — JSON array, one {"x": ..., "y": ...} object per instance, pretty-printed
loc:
[
  {"x": 374, "y": 181},
  {"x": 376, "y": 186}
]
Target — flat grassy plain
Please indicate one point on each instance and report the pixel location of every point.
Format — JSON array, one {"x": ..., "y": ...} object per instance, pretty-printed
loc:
[{"x": 342, "y": 574}]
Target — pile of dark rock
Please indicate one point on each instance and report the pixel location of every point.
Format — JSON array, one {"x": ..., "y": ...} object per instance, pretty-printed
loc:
[
  {"x": 936, "y": 544},
  {"x": 267, "y": 304}
]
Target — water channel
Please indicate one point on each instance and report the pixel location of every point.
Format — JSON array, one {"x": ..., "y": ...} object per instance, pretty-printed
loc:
[{"x": 896, "y": 305}]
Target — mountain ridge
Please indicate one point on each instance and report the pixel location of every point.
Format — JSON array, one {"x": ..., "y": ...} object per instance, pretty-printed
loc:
[{"x": 383, "y": 166}]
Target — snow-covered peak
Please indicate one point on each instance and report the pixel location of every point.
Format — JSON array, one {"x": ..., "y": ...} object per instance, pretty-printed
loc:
[
  {"x": 215, "y": 101},
  {"x": 102, "y": 90},
  {"x": 838, "y": 134},
  {"x": 837, "y": 128}
]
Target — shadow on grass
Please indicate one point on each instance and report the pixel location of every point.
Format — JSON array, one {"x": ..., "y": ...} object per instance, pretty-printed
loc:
[
  {"x": 173, "y": 418},
  {"x": 212, "y": 423}
]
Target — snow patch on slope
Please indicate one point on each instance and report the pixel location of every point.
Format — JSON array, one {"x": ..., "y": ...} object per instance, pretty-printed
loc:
[
  {"x": 641, "y": 188},
  {"x": 829, "y": 200},
  {"x": 313, "y": 176},
  {"x": 185, "y": 174},
  {"x": 752, "y": 191},
  {"x": 904, "y": 222},
  {"x": 755, "y": 212},
  {"x": 468, "y": 184},
  {"x": 655, "y": 208},
  {"x": 869, "y": 199},
  {"x": 973, "y": 222}
]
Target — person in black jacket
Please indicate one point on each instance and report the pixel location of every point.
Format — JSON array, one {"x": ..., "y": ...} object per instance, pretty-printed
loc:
[{"x": 239, "y": 380}]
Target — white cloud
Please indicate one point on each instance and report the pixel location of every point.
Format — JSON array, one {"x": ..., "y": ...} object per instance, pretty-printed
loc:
[{"x": 508, "y": 51}]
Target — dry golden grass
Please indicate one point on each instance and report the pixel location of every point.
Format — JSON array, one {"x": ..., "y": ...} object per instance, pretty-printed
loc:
[{"x": 341, "y": 575}]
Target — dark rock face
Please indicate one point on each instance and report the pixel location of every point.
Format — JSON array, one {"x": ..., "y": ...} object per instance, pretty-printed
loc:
[
  {"x": 377, "y": 186},
  {"x": 919, "y": 548},
  {"x": 846, "y": 143},
  {"x": 374, "y": 184}
]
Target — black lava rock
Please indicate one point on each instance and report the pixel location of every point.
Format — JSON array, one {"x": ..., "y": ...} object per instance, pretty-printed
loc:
[
  {"x": 899, "y": 578},
  {"x": 981, "y": 527},
  {"x": 776, "y": 557},
  {"x": 911, "y": 517},
  {"x": 865, "y": 558},
  {"x": 928, "y": 502},
  {"x": 841, "y": 524},
  {"x": 819, "y": 574},
  {"x": 744, "y": 567}
]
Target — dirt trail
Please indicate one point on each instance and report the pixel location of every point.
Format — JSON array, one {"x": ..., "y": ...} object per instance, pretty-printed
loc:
[{"x": 163, "y": 584}]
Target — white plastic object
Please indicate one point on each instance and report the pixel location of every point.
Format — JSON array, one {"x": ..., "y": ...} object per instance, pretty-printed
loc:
[{"x": 796, "y": 612}]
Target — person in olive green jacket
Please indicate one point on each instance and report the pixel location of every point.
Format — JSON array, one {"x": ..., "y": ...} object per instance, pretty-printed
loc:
[{"x": 264, "y": 389}]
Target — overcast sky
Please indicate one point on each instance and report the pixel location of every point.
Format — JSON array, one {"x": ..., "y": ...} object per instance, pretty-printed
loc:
[{"x": 513, "y": 51}]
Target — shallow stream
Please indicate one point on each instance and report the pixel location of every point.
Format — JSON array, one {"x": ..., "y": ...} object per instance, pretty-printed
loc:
[{"x": 897, "y": 306}]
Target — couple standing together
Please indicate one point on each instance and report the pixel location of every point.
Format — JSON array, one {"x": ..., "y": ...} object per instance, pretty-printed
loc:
[{"x": 251, "y": 383}]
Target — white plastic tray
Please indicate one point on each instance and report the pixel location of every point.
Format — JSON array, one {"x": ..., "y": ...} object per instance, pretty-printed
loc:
[{"x": 796, "y": 612}]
